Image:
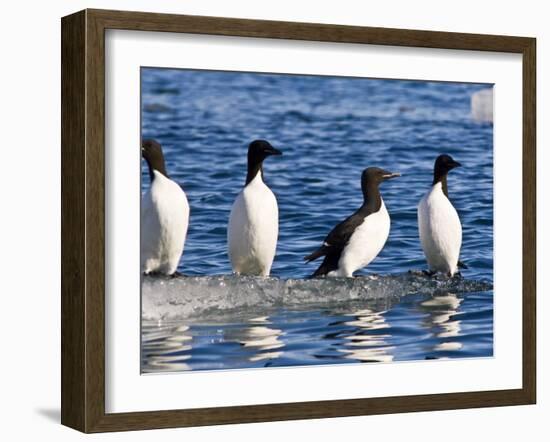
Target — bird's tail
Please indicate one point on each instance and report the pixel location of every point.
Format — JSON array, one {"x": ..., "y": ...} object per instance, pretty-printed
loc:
[
  {"x": 329, "y": 264},
  {"x": 321, "y": 271},
  {"x": 321, "y": 251}
]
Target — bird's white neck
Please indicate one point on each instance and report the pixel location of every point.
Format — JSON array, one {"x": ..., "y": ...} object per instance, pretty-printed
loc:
[
  {"x": 159, "y": 176},
  {"x": 257, "y": 180},
  {"x": 437, "y": 187}
]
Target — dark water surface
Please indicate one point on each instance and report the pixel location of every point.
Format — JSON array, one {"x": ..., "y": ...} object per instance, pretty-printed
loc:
[{"x": 329, "y": 129}]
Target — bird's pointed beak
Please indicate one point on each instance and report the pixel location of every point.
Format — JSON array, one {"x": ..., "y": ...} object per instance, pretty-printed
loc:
[
  {"x": 456, "y": 164},
  {"x": 273, "y": 151},
  {"x": 390, "y": 175}
]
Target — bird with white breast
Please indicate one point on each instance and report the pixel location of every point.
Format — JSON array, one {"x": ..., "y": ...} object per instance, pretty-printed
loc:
[
  {"x": 438, "y": 222},
  {"x": 164, "y": 216},
  {"x": 254, "y": 220},
  {"x": 357, "y": 240}
]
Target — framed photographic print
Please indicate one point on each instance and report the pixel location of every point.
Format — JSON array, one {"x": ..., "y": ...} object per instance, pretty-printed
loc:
[{"x": 268, "y": 220}]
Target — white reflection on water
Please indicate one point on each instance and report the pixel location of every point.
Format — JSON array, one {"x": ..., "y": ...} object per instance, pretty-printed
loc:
[
  {"x": 165, "y": 348},
  {"x": 364, "y": 345},
  {"x": 259, "y": 336},
  {"x": 441, "y": 319}
]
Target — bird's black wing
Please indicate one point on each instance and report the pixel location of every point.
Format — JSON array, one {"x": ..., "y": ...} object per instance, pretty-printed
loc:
[
  {"x": 329, "y": 264},
  {"x": 337, "y": 239}
]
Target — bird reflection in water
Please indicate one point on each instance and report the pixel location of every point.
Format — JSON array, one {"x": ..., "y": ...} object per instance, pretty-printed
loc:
[
  {"x": 263, "y": 339},
  {"x": 442, "y": 321},
  {"x": 367, "y": 344},
  {"x": 166, "y": 349}
]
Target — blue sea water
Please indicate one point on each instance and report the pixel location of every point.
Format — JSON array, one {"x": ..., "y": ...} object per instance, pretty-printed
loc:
[{"x": 329, "y": 129}]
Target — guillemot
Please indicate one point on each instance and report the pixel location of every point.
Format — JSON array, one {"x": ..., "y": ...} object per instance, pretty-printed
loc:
[
  {"x": 357, "y": 240},
  {"x": 164, "y": 216},
  {"x": 254, "y": 220},
  {"x": 438, "y": 222}
]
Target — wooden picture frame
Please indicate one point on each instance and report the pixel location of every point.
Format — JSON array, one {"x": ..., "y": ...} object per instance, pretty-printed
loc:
[{"x": 83, "y": 220}]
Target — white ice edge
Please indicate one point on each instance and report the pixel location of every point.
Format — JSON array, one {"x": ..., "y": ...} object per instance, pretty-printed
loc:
[{"x": 185, "y": 297}]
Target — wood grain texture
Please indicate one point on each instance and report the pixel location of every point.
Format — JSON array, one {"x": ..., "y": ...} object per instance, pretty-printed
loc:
[
  {"x": 73, "y": 253},
  {"x": 83, "y": 219},
  {"x": 144, "y": 21},
  {"x": 95, "y": 221},
  {"x": 529, "y": 220}
]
